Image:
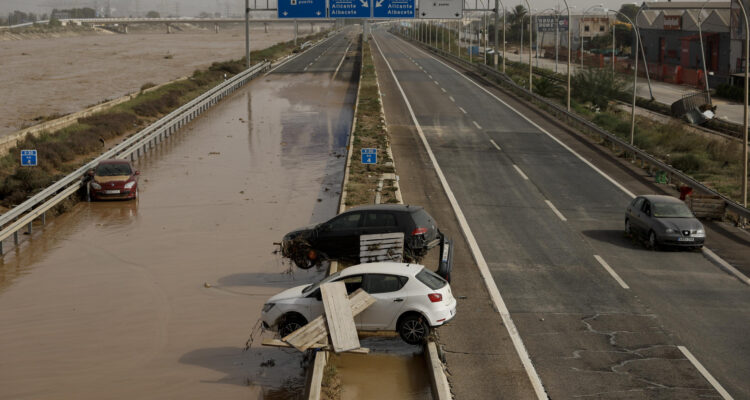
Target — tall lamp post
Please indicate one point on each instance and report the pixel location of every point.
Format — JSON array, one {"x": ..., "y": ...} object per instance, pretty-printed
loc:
[
  {"x": 497, "y": 10},
  {"x": 703, "y": 52},
  {"x": 568, "y": 8},
  {"x": 247, "y": 33},
  {"x": 744, "y": 113},
  {"x": 528, "y": 6},
  {"x": 635, "y": 76}
]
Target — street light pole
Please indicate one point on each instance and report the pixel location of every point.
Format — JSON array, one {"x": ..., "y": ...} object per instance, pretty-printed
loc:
[
  {"x": 703, "y": 52},
  {"x": 530, "y": 35},
  {"x": 568, "y": 8},
  {"x": 744, "y": 113},
  {"x": 247, "y": 33},
  {"x": 635, "y": 78}
]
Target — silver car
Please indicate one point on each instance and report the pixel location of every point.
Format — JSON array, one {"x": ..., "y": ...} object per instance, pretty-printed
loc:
[{"x": 663, "y": 220}]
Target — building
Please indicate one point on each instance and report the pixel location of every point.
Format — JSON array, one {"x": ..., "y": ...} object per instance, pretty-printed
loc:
[{"x": 671, "y": 33}]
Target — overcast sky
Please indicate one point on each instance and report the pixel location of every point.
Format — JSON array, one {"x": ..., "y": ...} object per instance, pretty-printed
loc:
[{"x": 194, "y": 7}]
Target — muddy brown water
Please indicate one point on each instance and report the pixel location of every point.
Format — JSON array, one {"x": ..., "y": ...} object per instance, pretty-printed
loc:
[{"x": 108, "y": 300}]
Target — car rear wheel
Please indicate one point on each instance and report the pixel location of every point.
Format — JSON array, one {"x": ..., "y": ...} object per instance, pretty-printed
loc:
[
  {"x": 413, "y": 328},
  {"x": 291, "y": 323}
]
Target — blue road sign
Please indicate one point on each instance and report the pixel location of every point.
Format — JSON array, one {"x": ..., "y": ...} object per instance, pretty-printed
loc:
[
  {"x": 350, "y": 9},
  {"x": 369, "y": 156},
  {"x": 28, "y": 158},
  {"x": 393, "y": 9},
  {"x": 302, "y": 9}
]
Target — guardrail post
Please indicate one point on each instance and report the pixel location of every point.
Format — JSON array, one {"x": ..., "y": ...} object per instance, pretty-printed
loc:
[
  {"x": 44, "y": 218},
  {"x": 30, "y": 222},
  {"x": 1, "y": 247},
  {"x": 15, "y": 238}
]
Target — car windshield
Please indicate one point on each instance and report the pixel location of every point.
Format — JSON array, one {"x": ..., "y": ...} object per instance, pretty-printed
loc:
[
  {"x": 317, "y": 285},
  {"x": 672, "y": 210},
  {"x": 113, "y": 169}
]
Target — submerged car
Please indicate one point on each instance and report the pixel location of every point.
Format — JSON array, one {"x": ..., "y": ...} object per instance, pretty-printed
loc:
[
  {"x": 410, "y": 299},
  {"x": 664, "y": 220},
  {"x": 113, "y": 179},
  {"x": 339, "y": 238}
]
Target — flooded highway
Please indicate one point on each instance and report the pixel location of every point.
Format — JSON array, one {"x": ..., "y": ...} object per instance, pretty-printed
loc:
[{"x": 156, "y": 299}]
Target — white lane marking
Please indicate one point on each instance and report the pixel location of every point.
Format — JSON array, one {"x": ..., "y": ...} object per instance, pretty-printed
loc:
[
  {"x": 477, "y": 125},
  {"x": 429, "y": 76},
  {"x": 443, "y": 89},
  {"x": 724, "y": 394},
  {"x": 495, "y": 144},
  {"x": 725, "y": 265},
  {"x": 555, "y": 210},
  {"x": 462, "y": 110},
  {"x": 306, "y": 68},
  {"x": 612, "y": 272},
  {"x": 520, "y": 172},
  {"x": 341, "y": 62},
  {"x": 585, "y": 161},
  {"x": 436, "y": 82},
  {"x": 484, "y": 269},
  {"x": 452, "y": 99},
  {"x": 298, "y": 54}
]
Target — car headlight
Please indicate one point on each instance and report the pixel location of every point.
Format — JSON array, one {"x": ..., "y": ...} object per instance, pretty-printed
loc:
[
  {"x": 129, "y": 185},
  {"x": 268, "y": 306},
  {"x": 96, "y": 186},
  {"x": 699, "y": 232}
]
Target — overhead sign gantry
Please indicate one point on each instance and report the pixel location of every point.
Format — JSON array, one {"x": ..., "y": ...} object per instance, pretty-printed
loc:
[{"x": 429, "y": 9}]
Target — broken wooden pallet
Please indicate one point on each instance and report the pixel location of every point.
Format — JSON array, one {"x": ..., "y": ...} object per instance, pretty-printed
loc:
[
  {"x": 712, "y": 207},
  {"x": 319, "y": 346},
  {"x": 316, "y": 330},
  {"x": 381, "y": 247},
  {"x": 339, "y": 316}
]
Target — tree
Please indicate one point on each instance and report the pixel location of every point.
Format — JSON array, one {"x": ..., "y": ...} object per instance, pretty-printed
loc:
[
  {"x": 152, "y": 14},
  {"x": 628, "y": 9}
]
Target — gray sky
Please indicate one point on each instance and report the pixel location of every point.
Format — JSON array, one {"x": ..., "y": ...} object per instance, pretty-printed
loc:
[{"x": 194, "y": 7}]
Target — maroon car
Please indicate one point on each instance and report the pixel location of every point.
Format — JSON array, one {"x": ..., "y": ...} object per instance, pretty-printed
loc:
[{"x": 113, "y": 180}]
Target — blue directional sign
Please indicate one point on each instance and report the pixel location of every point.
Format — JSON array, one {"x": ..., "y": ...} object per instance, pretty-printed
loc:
[
  {"x": 28, "y": 158},
  {"x": 350, "y": 9},
  {"x": 302, "y": 8},
  {"x": 393, "y": 9},
  {"x": 369, "y": 156}
]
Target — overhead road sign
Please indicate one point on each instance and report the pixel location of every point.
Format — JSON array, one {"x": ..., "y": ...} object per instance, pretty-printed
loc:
[
  {"x": 350, "y": 9},
  {"x": 393, "y": 9},
  {"x": 28, "y": 158},
  {"x": 299, "y": 9},
  {"x": 441, "y": 9}
]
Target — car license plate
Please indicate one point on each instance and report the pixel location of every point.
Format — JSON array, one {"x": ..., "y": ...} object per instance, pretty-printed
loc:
[
  {"x": 111, "y": 192},
  {"x": 685, "y": 239}
]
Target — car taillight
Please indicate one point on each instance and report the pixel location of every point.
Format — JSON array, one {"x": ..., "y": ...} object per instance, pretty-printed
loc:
[
  {"x": 435, "y": 297},
  {"x": 419, "y": 231}
]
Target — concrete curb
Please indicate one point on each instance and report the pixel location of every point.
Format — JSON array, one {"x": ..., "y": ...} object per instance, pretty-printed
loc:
[
  {"x": 350, "y": 145},
  {"x": 441, "y": 390},
  {"x": 716, "y": 259}
]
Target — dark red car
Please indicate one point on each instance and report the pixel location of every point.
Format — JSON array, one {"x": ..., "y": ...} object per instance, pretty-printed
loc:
[{"x": 113, "y": 180}]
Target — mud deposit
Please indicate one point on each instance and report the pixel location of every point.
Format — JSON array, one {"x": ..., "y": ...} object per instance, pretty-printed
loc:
[
  {"x": 393, "y": 370},
  {"x": 42, "y": 77},
  {"x": 110, "y": 300}
]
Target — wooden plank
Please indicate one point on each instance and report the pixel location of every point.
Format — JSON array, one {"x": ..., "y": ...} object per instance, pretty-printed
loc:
[
  {"x": 359, "y": 301},
  {"x": 339, "y": 316},
  {"x": 303, "y": 338},
  {"x": 321, "y": 346},
  {"x": 316, "y": 380},
  {"x": 393, "y": 235}
]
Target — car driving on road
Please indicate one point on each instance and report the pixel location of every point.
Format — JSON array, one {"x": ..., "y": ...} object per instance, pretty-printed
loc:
[
  {"x": 663, "y": 220},
  {"x": 410, "y": 299},
  {"x": 113, "y": 179},
  {"x": 339, "y": 238}
]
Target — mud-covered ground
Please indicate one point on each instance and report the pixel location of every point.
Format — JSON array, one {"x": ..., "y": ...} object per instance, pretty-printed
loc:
[{"x": 59, "y": 75}]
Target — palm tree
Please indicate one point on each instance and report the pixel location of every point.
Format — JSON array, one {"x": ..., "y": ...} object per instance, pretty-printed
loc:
[{"x": 517, "y": 14}]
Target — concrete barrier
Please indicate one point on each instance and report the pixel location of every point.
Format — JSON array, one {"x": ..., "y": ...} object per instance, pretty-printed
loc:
[{"x": 441, "y": 390}]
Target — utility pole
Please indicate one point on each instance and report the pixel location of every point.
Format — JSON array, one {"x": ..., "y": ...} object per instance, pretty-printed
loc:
[{"x": 247, "y": 33}]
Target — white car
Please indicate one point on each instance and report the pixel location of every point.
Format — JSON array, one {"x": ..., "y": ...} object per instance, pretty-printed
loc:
[{"x": 410, "y": 299}]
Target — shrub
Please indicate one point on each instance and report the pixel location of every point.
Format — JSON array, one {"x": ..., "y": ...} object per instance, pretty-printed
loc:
[
  {"x": 147, "y": 85},
  {"x": 688, "y": 163},
  {"x": 596, "y": 86},
  {"x": 730, "y": 92}
]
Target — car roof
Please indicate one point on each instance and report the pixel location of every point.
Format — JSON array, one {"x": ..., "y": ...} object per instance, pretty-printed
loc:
[
  {"x": 383, "y": 268},
  {"x": 661, "y": 198},
  {"x": 114, "y": 161},
  {"x": 387, "y": 207}
]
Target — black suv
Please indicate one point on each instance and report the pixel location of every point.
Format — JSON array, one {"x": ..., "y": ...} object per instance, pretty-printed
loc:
[{"x": 338, "y": 238}]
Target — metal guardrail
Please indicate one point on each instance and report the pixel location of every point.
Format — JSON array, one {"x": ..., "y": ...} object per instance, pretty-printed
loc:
[
  {"x": 674, "y": 173},
  {"x": 25, "y": 213}
]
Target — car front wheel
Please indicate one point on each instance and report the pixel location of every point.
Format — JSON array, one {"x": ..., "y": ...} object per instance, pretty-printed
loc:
[
  {"x": 291, "y": 323},
  {"x": 413, "y": 328}
]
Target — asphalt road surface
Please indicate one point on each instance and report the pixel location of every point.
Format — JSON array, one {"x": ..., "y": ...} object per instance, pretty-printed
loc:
[
  {"x": 599, "y": 314},
  {"x": 108, "y": 300}
]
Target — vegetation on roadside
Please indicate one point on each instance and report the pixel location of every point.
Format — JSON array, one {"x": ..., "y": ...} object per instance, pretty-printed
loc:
[
  {"x": 369, "y": 132},
  {"x": 330, "y": 388},
  {"x": 63, "y": 151}
]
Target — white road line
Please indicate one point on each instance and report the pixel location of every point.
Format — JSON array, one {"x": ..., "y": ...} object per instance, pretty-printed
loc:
[
  {"x": 612, "y": 272},
  {"x": 341, "y": 62},
  {"x": 306, "y": 68},
  {"x": 526, "y": 178},
  {"x": 477, "y": 125},
  {"x": 462, "y": 110},
  {"x": 585, "y": 161},
  {"x": 429, "y": 76},
  {"x": 436, "y": 82},
  {"x": 484, "y": 269},
  {"x": 443, "y": 89},
  {"x": 555, "y": 210},
  {"x": 724, "y": 394},
  {"x": 452, "y": 99},
  {"x": 495, "y": 144}
]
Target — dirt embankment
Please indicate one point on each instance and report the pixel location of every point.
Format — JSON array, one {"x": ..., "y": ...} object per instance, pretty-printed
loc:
[{"x": 47, "y": 76}]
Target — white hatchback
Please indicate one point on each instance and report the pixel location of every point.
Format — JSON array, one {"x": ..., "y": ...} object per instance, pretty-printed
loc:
[{"x": 410, "y": 299}]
